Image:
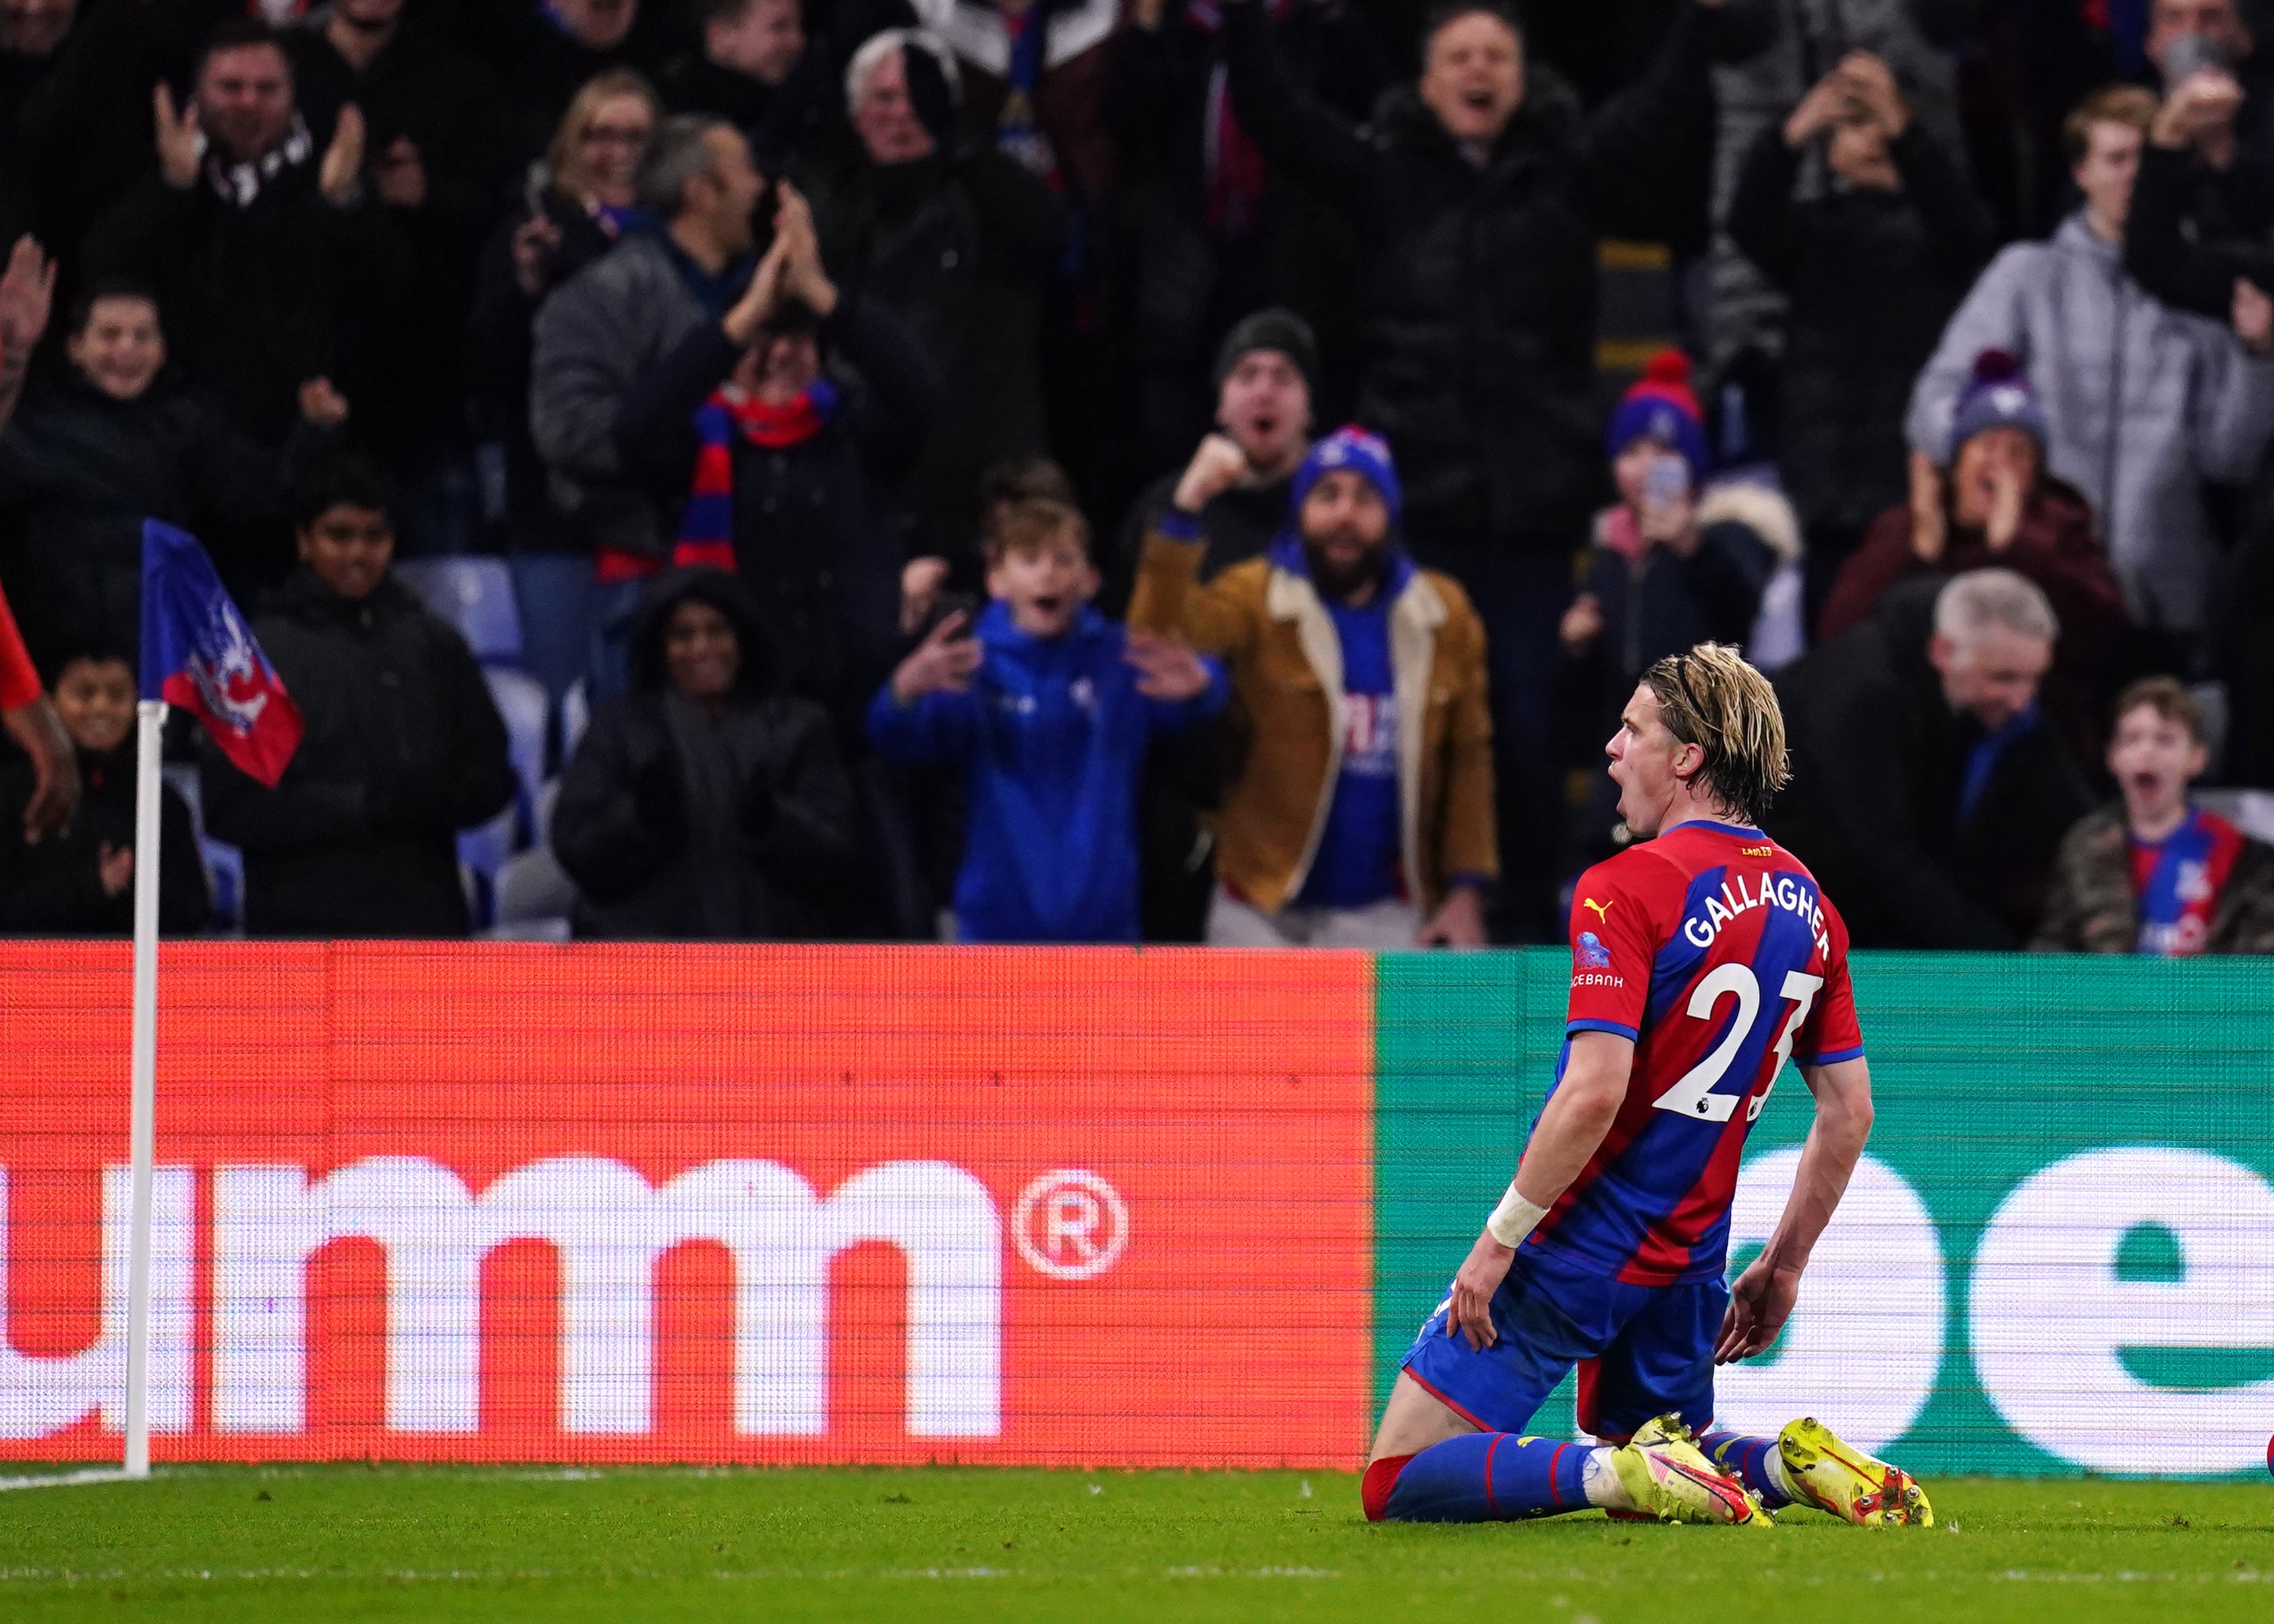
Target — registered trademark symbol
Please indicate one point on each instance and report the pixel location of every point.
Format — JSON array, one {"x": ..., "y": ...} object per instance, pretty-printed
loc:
[{"x": 1070, "y": 1225}]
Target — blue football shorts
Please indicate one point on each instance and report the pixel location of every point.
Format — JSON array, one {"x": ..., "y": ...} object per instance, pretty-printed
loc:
[{"x": 1642, "y": 1351}]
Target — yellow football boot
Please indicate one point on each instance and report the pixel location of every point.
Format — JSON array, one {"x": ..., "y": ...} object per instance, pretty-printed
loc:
[
  {"x": 1669, "y": 1477},
  {"x": 1842, "y": 1480}
]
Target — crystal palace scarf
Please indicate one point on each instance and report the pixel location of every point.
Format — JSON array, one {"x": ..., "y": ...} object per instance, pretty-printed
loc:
[{"x": 706, "y": 527}]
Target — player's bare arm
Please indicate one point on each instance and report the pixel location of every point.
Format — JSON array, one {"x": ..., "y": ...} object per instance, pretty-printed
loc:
[
  {"x": 1569, "y": 1131},
  {"x": 1763, "y": 1296}
]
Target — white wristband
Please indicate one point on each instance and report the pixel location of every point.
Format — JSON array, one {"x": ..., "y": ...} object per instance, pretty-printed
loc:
[{"x": 1512, "y": 1220}]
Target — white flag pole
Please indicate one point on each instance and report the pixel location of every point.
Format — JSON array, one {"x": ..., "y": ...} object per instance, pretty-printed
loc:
[{"x": 142, "y": 1134}]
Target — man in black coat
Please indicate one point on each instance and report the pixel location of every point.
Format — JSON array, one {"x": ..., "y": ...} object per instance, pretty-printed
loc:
[
  {"x": 1928, "y": 796},
  {"x": 1874, "y": 264},
  {"x": 955, "y": 243},
  {"x": 1236, "y": 481},
  {"x": 756, "y": 69},
  {"x": 78, "y": 138},
  {"x": 1234, "y": 491},
  {"x": 2202, "y": 213},
  {"x": 1482, "y": 193},
  {"x": 403, "y": 745},
  {"x": 274, "y": 264},
  {"x": 540, "y": 51},
  {"x": 788, "y": 475},
  {"x": 1218, "y": 235},
  {"x": 704, "y": 804},
  {"x": 436, "y": 155}
]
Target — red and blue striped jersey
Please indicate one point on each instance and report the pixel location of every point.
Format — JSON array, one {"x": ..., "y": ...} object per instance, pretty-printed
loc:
[{"x": 1711, "y": 947}]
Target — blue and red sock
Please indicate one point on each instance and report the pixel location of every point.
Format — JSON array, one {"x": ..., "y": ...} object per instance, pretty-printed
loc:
[
  {"x": 1481, "y": 1477},
  {"x": 1747, "y": 1459}
]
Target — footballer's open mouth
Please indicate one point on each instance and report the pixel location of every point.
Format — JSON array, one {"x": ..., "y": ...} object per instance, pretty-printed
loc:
[
  {"x": 1048, "y": 604},
  {"x": 1479, "y": 100},
  {"x": 2144, "y": 785}
]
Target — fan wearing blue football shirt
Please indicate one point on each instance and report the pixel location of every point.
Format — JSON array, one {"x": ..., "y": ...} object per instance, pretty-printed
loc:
[
  {"x": 1356, "y": 866},
  {"x": 1048, "y": 707},
  {"x": 1362, "y": 815}
]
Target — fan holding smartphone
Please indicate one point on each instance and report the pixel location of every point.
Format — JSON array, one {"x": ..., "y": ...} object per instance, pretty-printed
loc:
[{"x": 1673, "y": 562}]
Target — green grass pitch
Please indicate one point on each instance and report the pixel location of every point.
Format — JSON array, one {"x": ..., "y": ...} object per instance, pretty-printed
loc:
[{"x": 931, "y": 1546}]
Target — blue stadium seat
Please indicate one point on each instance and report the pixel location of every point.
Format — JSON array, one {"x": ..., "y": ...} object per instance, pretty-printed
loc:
[
  {"x": 483, "y": 851},
  {"x": 531, "y": 890},
  {"x": 548, "y": 796},
  {"x": 575, "y": 716},
  {"x": 224, "y": 864},
  {"x": 529, "y": 931},
  {"x": 225, "y": 868},
  {"x": 473, "y": 594},
  {"x": 522, "y": 702}
]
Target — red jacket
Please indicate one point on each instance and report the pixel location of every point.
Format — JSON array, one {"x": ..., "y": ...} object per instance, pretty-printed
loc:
[{"x": 2054, "y": 547}]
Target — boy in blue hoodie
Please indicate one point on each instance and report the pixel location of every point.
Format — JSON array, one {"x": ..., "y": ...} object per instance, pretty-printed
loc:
[{"x": 1050, "y": 707}]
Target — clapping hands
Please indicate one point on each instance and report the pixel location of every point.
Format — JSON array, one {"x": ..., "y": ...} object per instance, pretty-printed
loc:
[{"x": 791, "y": 269}]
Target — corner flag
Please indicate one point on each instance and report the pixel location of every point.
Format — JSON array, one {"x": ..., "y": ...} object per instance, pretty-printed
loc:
[{"x": 199, "y": 653}]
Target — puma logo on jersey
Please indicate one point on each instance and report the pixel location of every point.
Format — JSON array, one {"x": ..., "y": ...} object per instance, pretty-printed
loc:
[{"x": 1602, "y": 909}]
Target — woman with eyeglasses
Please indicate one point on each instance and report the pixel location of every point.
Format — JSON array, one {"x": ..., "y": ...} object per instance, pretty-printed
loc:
[{"x": 576, "y": 201}]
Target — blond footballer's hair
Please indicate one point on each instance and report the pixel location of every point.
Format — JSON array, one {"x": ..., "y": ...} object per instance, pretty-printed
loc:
[{"x": 1711, "y": 698}]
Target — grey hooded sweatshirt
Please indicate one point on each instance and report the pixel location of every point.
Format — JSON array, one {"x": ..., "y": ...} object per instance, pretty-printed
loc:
[{"x": 2145, "y": 405}]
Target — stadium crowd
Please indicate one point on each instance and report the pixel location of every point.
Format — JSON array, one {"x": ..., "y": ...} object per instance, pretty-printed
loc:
[{"x": 869, "y": 469}]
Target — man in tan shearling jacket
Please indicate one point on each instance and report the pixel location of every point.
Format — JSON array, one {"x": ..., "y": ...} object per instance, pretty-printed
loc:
[{"x": 1362, "y": 815}]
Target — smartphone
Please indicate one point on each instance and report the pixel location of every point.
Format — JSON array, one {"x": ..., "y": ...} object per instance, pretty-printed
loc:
[
  {"x": 2191, "y": 54},
  {"x": 965, "y": 603}
]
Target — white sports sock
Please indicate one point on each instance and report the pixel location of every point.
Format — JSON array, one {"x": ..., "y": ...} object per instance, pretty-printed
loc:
[
  {"x": 1602, "y": 1483},
  {"x": 1773, "y": 1463}
]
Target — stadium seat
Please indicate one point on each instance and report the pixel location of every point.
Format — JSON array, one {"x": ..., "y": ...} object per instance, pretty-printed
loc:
[
  {"x": 522, "y": 702},
  {"x": 575, "y": 716},
  {"x": 483, "y": 851},
  {"x": 532, "y": 893},
  {"x": 548, "y": 796},
  {"x": 473, "y": 594},
  {"x": 2250, "y": 810},
  {"x": 529, "y": 931},
  {"x": 224, "y": 864}
]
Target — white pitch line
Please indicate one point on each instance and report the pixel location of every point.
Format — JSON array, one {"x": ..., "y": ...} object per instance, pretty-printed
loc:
[{"x": 64, "y": 1480}]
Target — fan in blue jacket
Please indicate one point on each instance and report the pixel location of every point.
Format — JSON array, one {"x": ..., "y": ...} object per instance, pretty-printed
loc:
[{"x": 1050, "y": 707}]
